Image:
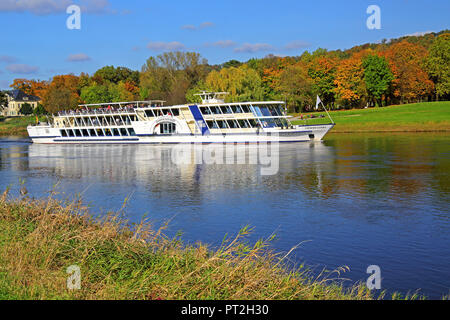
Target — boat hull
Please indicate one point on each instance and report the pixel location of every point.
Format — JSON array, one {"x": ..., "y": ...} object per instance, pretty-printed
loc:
[{"x": 48, "y": 135}]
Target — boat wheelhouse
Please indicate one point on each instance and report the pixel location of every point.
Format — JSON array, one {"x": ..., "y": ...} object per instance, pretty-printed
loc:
[{"x": 212, "y": 121}]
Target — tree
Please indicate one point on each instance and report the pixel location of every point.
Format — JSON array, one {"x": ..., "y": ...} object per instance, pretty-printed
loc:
[
  {"x": 438, "y": 64},
  {"x": 169, "y": 76},
  {"x": 297, "y": 86},
  {"x": 411, "y": 81},
  {"x": 26, "y": 109},
  {"x": 377, "y": 76},
  {"x": 3, "y": 100},
  {"x": 39, "y": 110},
  {"x": 322, "y": 70},
  {"x": 96, "y": 94},
  {"x": 350, "y": 86},
  {"x": 62, "y": 93},
  {"x": 242, "y": 83},
  {"x": 115, "y": 75}
]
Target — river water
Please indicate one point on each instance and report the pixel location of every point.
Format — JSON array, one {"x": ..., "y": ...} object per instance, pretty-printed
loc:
[{"x": 351, "y": 200}]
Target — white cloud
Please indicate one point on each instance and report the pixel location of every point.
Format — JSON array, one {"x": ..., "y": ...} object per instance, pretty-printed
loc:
[
  {"x": 21, "y": 68},
  {"x": 165, "y": 46},
  {"x": 418, "y": 34},
  {"x": 78, "y": 57},
  {"x": 203, "y": 25},
  {"x": 46, "y": 7},
  {"x": 296, "y": 44},
  {"x": 7, "y": 59},
  {"x": 206, "y": 24},
  {"x": 189, "y": 27},
  {"x": 253, "y": 47},
  {"x": 221, "y": 44}
]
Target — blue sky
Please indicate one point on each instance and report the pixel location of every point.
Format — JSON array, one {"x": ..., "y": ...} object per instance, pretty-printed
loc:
[{"x": 37, "y": 44}]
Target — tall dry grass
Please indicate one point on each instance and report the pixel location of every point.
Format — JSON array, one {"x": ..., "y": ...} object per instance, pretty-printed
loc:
[{"x": 40, "y": 238}]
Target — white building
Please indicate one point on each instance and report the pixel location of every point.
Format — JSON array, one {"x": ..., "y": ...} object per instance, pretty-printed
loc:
[{"x": 16, "y": 99}]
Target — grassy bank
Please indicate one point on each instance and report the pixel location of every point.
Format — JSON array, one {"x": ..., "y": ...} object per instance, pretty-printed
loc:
[
  {"x": 416, "y": 117},
  {"x": 17, "y": 126},
  {"x": 39, "y": 239}
]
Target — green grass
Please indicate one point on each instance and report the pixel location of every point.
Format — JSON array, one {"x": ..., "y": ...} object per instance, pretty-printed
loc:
[
  {"x": 39, "y": 239},
  {"x": 17, "y": 126},
  {"x": 416, "y": 117}
]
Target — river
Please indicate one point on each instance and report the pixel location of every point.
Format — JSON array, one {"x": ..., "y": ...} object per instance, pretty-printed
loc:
[{"x": 352, "y": 200}]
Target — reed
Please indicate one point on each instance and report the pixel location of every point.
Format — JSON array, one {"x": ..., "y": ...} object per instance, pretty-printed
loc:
[{"x": 40, "y": 238}]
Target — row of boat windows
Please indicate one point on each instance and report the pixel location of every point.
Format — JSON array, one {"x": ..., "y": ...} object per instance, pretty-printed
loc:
[
  {"x": 262, "y": 111},
  {"x": 246, "y": 123},
  {"x": 106, "y": 132},
  {"x": 151, "y": 113},
  {"x": 117, "y": 120}
]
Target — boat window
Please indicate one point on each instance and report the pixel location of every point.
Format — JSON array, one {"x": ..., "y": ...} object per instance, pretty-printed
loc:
[
  {"x": 131, "y": 131},
  {"x": 205, "y": 110},
  {"x": 277, "y": 122},
  {"x": 222, "y": 124},
  {"x": 244, "y": 123},
  {"x": 115, "y": 132},
  {"x": 245, "y": 108},
  {"x": 253, "y": 123},
  {"x": 85, "y": 133},
  {"x": 232, "y": 124},
  {"x": 225, "y": 109},
  {"x": 108, "y": 132},
  {"x": 100, "y": 132},
  {"x": 123, "y": 132},
  {"x": 149, "y": 113},
  {"x": 77, "y": 133},
  {"x": 63, "y": 133},
  {"x": 167, "y": 127},
  {"x": 268, "y": 123},
  {"x": 175, "y": 112},
  {"x": 265, "y": 111},
  {"x": 212, "y": 124},
  {"x": 236, "y": 109},
  {"x": 92, "y": 132}
]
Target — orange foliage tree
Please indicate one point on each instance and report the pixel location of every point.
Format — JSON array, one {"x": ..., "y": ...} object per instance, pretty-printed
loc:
[
  {"x": 350, "y": 86},
  {"x": 411, "y": 81},
  {"x": 62, "y": 93}
]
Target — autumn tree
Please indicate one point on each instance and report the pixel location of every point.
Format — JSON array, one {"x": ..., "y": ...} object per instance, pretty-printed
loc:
[
  {"x": 411, "y": 81},
  {"x": 62, "y": 93},
  {"x": 438, "y": 64},
  {"x": 322, "y": 70},
  {"x": 377, "y": 77},
  {"x": 350, "y": 86}
]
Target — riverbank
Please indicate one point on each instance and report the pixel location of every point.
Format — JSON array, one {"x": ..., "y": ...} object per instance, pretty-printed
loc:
[
  {"x": 416, "y": 117},
  {"x": 17, "y": 126},
  {"x": 40, "y": 239}
]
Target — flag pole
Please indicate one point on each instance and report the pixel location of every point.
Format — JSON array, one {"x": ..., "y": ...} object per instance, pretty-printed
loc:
[{"x": 327, "y": 112}]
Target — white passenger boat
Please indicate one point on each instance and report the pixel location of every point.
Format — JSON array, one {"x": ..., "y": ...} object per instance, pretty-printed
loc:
[{"x": 212, "y": 121}]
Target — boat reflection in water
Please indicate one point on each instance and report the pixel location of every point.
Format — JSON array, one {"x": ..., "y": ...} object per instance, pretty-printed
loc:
[{"x": 240, "y": 166}]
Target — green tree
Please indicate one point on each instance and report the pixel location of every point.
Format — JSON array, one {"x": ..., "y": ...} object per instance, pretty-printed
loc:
[
  {"x": 96, "y": 94},
  {"x": 26, "y": 109},
  {"x": 377, "y": 76},
  {"x": 242, "y": 83},
  {"x": 297, "y": 87},
  {"x": 438, "y": 64},
  {"x": 3, "y": 100},
  {"x": 39, "y": 110},
  {"x": 170, "y": 75}
]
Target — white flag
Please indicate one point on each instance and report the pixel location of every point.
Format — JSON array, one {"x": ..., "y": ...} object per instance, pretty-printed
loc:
[{"x": 317, "y": 102}]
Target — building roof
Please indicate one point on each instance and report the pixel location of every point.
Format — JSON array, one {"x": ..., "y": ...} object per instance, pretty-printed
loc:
[{"x": 19, "y": 95}]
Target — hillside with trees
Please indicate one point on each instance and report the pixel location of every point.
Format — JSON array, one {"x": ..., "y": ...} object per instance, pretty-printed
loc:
[{"x": 405, "y": 70}]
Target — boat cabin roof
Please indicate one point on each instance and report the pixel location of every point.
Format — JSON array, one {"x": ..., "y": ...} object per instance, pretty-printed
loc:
[{"x": 158, "y": 103}]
